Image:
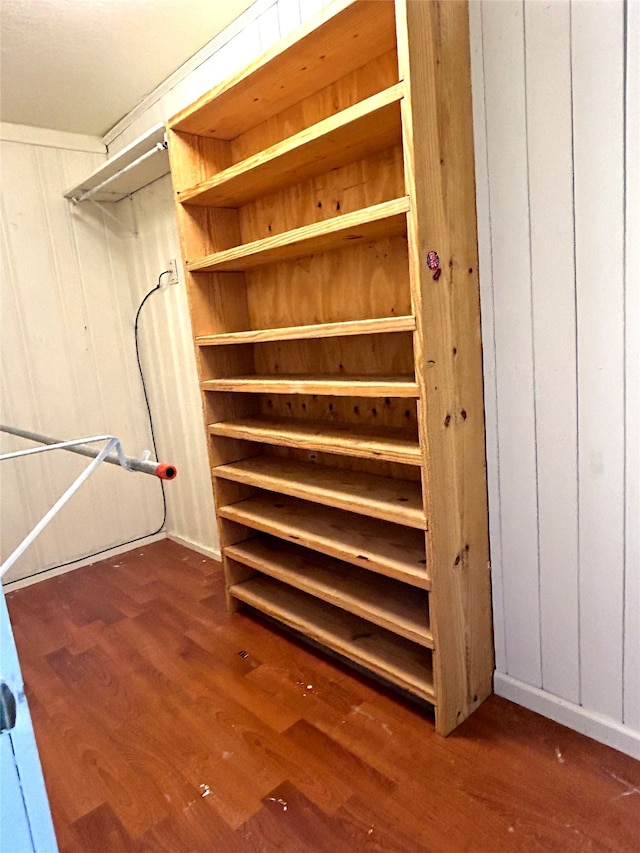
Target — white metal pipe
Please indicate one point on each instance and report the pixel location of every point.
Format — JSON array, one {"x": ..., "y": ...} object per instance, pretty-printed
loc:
[
  {"x": 101, "y": 456},
  {"x": 129, "y": 463}
]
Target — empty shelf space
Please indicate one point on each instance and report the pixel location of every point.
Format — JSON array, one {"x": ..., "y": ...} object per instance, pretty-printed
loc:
[
  {"x": 399, "y": 501},
  {"x": 399, "y": 608},
  {"x": 364, "y": 442},
  {"x": 333, "y": 385},
  {"x": 317, "y": 330},
  {"x": 380, "y": 546},
  {"x": 365, "y": 128},
  {"x": 399, "y": 661},
  {"x": 380, "y": 220},
  {"x": 334, "y": 43}
]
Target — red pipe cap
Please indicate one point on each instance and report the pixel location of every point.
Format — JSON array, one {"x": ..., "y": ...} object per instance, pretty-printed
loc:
[{"x": 166, "y": 471}]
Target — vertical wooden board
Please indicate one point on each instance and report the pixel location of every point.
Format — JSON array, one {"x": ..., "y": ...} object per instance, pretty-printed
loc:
[
  {"x": 196, "y": 158},
  {"x": 485, "y": 269},
  {"x": 438, "y": 144},
  {"x": 597, "y": 69},
  {"x": 631, "y": 673},
  {"x": 550, "y": 161},
  {"x": 507, "y": 165}
]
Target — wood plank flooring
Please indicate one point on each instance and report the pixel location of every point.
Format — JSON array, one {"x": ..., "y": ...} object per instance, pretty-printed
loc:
[{"x": 166, "y": 725}]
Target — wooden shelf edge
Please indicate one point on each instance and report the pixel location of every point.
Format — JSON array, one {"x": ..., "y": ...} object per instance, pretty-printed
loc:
[
  {"x": 321, "y": 437},
  {"x": 338, "y": 386},
  {"x": 285, "y": 567},
  {"x": 354, "y": 491},
  {"x": 313, "y": 624},
  {"x": 337, "y": 533},
  {"x": 381, "y": 325},
  {"x": 388, "y": 217},
  {"x": 242, "y": 87},
  {"x": 266, "y": 170}
]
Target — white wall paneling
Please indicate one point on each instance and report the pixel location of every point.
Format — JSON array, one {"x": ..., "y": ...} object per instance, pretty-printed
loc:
[
  {"x": 506, "y": 128},
  {"x": 68, "y": 362},
  {"x": 547, "y": 36},
  {"x": 631, "y": 670},
  {"x": 558, "y": 211},
  {"x": 597, "y": 58},
  {"x": 168, "y": 361}
]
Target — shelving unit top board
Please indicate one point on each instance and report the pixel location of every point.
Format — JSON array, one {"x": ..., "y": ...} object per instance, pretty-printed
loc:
[
  {"x": 325, "y": 202},
  {"x": 310, "y": 58}
]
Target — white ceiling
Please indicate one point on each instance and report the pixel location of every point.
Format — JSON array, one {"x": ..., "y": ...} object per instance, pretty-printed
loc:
[{"x": 81, "y": 65}]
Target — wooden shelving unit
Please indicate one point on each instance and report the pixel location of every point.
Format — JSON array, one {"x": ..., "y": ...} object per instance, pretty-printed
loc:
[{"x": 340, "y": 372}]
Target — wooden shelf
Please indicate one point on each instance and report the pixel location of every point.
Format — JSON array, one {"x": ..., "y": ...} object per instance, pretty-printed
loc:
[
  {"x": 308, "y": 59},
  {"x": 334, "y": 385},
  {"x": 401, "y": 609},
  {"x": 370, "y": 126},
  {"x": 397, "y": 552},
  {"x": 365, "y": 442},
  {"x": 389, "y": 656},
  {"x": 382, "y": 325},
  {"x": 399, "y": 501},
  {"x": 370, "y": 223},
  {"x": 315, "y": 182}
]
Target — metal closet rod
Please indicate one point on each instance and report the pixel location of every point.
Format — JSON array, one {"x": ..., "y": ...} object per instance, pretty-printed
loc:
[
  {"x": 88, "y": 195},
  {"x": 143, "y": 464}
]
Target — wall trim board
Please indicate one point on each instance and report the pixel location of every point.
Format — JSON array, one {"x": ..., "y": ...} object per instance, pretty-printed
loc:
[
  {"x": 233, "y": 29},
  {"x": 593, "y": 725},
  {"x": 51, "y": 138},
  {"x": 212, "y": 553},
  {"x": 12, "y": 586}
]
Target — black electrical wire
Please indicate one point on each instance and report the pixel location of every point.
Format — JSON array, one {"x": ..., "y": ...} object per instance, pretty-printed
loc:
[
  {"x": 146, "y": 399},
  {"x": 153, "y": 440}
]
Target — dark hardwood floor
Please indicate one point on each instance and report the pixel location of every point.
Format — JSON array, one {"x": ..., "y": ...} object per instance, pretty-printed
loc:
[{"x": 166, "y": 725}]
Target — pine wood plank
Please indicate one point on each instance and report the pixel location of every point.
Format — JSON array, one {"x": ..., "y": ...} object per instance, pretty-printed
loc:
[
  {"x": 389, "y": 656},
  {"x": 399, "y": 608},
  {"x": 381, "y": 325},
  {"x": 365, "y": 128},
  {"x": 399, "y": 501},
  {"x": 308, "y": 59},
  {"x": 434, "y": 60},
  {"x": 366, "y": 442},
  {"x": 397, "y": 552},
  {"x": 353, "y": 386},
  {"x": 379, "y": 220}
]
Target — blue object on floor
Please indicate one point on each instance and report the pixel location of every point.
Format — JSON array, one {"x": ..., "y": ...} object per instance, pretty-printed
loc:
[{"x": 25, "y": 817}]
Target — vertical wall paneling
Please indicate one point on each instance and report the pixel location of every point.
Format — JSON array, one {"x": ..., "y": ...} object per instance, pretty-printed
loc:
[
  {"x": 167, "y": 357},
  {"x": 66, "y": 369},
  {"x": 631, "y": 672},
  {"x": 550, "y": 165},
  {"x": 597, "y": 64},
  {"x": 504, "y": 78},
  {"x": 485, "y": 261},
  {"x": 288, "y": 16},
  {"x": 558, "y": 194}
]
